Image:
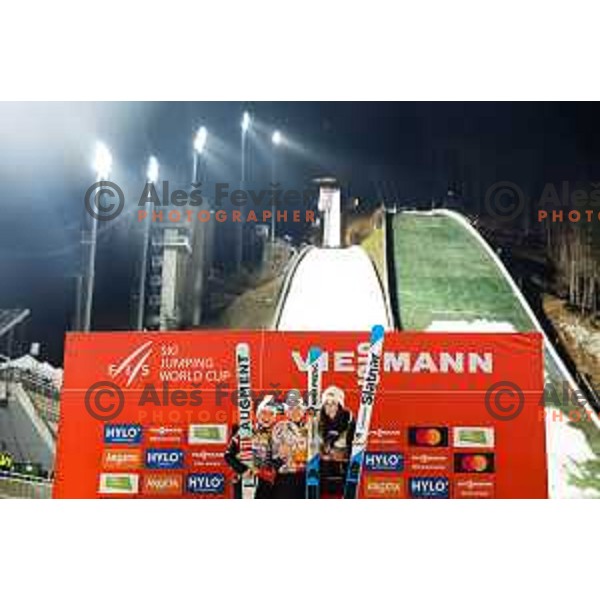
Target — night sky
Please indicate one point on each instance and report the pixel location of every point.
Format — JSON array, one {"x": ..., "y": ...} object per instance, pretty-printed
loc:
[{"x": 407, "y": 151}]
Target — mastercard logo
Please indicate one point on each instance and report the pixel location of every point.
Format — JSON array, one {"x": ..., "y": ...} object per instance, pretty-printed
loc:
[
  {"x": 474, "y": 462},
  {"x": 428, "y": 437}
]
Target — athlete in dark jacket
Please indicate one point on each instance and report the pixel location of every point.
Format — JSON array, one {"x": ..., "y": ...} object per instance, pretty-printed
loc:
[
  {"x": 336, "y": 429},
  {"x": 263, "y": 466}
]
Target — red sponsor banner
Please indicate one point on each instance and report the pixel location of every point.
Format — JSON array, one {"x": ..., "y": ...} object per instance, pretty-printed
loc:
[{"x": 155, "y": 414}]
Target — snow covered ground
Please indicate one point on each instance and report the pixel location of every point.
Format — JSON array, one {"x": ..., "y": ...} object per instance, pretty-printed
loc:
[
  {"x": 476, "y": 326},
  {"x": 566, "y": 447},
  {"x": 334, "y": 289}
]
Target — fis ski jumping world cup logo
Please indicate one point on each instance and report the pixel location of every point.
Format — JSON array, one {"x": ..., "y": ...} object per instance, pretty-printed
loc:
[
  {"x": 104, "y": 400},
  {"x": 133, "y": 366}
]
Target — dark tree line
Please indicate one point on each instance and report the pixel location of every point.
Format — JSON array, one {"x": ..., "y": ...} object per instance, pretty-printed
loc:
[{"x": 574, "y": 250}]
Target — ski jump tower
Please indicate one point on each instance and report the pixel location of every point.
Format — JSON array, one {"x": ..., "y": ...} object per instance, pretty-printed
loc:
[{"x": 330, "y": 206}]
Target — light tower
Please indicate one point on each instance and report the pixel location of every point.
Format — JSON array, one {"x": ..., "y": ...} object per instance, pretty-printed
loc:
[
  {"x": 151, "y": 179},
  {"x": 330, "y": 206},
  {"x": 276, "y": 140},
  {"x": 239, "y": 227},
  {"x": 102, "y": 166}
]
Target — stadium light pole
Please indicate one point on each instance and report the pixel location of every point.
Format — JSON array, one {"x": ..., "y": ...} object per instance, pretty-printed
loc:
[
  {"x": 199, "y": 146},
  {"x": 102, "y": 166},
  {"x": 199, "y": 173},
  {"x": 239, "y": 229},
  {"x": 246, "y": 123},
  {"x": 151, "y": 179},
  {"x": 276, "y": 142}
]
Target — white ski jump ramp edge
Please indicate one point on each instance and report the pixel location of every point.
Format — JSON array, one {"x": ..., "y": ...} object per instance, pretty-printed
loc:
[
  {"x": 333, "y": 289},
  {"x": 564, "y": 444}
]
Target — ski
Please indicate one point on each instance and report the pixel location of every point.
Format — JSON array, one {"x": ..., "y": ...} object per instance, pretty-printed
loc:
[
  {"x": 245, "y": 410},
  {"x": 363, "y": 420},
  {"x": 313, "y": 406}
]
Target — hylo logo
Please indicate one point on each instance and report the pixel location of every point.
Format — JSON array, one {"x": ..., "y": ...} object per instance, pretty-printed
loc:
[
  {"x": 206, "y": 483},
  {"x": 429, "y": 487},
  {"x": 168, "y": 458},
  {"x": 384, "y": 461},
  {"x": 122, "y": 433}
]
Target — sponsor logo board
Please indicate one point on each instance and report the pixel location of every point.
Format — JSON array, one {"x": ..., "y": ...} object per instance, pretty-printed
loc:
[
  {"x": 474, "y": 462},
  {"x": 428, "y": 437},
  {"x": 122, "y": 433},
  {"x": 165, "y": 434},
  {"x": 383, "y": 487},
  {"x": 203, "y": 458},
  {"x": 205, "y": 483},
  {"x": 121, "y": 458},
  {"x": 203, "y": 433},
  {"x": 473, "y": 437},
  {"x": 162, "y": 484},
  {"x": 164, "y": 458},
  {"x": 429, "y": 487},
  {"x": 470, "y": 487},
  {"x": 384, "y": 461},
  {"x": 427, "y": 461},
  {"x": 119, "y": 483}
]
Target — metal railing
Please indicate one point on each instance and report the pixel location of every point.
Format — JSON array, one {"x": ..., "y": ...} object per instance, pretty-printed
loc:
[
  {"x": 15, "y": 485},
  {"x": 44, "y": 396}
]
